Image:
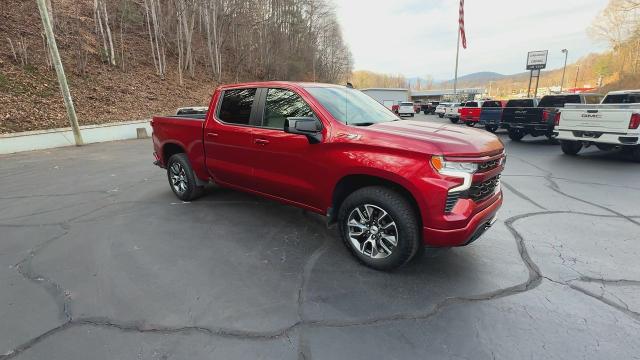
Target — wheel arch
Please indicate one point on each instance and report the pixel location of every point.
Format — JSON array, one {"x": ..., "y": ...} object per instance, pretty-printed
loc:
[
  {"x": 169, "y": 149},
  {"x": 352, "y": 182}
]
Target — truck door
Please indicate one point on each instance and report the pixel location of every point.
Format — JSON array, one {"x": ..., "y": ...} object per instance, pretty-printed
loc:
[
  {"x": 228, "y": 138},
  {"x": 285, "y": 164}
]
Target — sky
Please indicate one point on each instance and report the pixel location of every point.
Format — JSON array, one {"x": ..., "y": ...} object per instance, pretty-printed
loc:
[{"x": 418, "y": 37}]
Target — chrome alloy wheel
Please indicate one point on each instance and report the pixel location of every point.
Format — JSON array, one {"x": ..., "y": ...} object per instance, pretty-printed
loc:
[
  {"x": 178, "y": 178},
  {"x": 372, "y": 231}
]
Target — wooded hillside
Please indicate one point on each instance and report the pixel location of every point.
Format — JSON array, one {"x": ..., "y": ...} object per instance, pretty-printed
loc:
[{"x": 129, "y": 59}]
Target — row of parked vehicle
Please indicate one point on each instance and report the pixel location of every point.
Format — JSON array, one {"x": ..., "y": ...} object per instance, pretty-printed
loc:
[{"x": 577, "y": 120}]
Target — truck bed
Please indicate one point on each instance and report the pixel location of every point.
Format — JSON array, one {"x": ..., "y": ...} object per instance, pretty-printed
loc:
[{"x": 185, "y": 131}]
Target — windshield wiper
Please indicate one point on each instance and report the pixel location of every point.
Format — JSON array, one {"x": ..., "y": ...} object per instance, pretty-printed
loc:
[{"x": 363, "y": 124}]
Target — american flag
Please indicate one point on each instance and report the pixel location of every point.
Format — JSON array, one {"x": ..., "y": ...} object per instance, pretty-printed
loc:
[{"x": 461, "y": 23}]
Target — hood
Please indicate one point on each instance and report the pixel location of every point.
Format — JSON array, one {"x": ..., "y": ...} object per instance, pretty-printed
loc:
[{"x": 451, "y": 140}]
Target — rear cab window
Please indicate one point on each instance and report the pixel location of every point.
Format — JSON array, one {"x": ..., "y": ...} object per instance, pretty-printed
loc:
[
  {"x": 559, "y": 100},
  {"x": 622, "y": 98},
  {"x": 236, "y": 106},
  {"x": 471, "y": 104},
  {"x": 520, "y": 103},
  {"x": 492, "y": 104}
]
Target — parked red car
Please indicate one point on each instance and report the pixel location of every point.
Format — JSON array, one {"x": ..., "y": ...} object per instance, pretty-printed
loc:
[{"x": 392, "y": 186}]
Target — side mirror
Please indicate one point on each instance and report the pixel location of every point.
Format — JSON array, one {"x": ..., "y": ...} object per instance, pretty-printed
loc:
[{"x": 307, "y": 126}]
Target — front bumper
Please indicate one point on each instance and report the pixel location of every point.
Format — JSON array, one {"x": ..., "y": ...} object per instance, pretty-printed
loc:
[{"x": 476, "y": 226}]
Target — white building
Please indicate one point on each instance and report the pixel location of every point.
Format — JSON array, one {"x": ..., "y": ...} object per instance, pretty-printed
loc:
[{"x": 388, "y": 96}]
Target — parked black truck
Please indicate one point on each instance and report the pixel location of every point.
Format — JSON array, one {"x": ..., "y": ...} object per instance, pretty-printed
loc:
[{"x": 537, "y": 118}]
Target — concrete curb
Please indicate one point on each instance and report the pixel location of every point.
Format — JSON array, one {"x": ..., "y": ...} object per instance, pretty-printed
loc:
[{"x": 47, "y": 139}]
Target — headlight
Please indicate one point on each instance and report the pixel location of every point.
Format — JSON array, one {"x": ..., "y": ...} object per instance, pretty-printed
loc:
[
  {"x": 463, "y": 170},
  {"x": 442, "y": 165}
]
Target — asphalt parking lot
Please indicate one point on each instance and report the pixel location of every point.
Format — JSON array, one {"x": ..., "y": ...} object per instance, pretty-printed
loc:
[{"x": 101, "y": 261}]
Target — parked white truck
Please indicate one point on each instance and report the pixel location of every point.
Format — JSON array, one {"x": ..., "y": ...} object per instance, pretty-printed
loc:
[
  {"x": 613, "y": 124},
  {"x": 451, "y": 112}
]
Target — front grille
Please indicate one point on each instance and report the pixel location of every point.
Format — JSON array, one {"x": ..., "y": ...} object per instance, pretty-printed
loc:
[
  {"x": 481, "y": 191},
  {"x": 452, "y": 199},
  {"x": 491, "y": 164}
]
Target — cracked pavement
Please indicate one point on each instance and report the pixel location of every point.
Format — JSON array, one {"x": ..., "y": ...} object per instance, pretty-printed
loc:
[{"x": 100, "y": 260}]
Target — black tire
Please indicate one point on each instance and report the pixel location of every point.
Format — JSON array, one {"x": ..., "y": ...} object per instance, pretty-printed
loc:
[
  {"x": 179, "y": 165},
  {"x": 454, "y": 120},
  {"x": 440, "y": 116},
  {"x": 635, "y": 154},
  {"x": 516, "y": 135},
  {"x": 470, "y": 123},
  {"x": 399, "y": 210},
  {"x": 491, "y": 128},
  {"x": 570, "y": 147}
]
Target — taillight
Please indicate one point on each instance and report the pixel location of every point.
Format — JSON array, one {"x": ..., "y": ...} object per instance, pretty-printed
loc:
[
  {"x": 556, "y": 118},
  {"x": 634, "y": 122},
  {"x": 545, "y": 115}
]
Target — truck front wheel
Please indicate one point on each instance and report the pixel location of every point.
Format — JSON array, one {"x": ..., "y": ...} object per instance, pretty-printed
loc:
[
  {"x": 380, "y": 227},
  {"x": 491, "y": 128},
  {"x": 570, "y": 147},
  {"x": 470, "y": 123},
  {"x": 182, "y": 179},
  {"x": 454, "y": 120}
]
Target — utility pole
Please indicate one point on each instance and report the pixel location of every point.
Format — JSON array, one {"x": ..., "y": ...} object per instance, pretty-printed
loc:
[
  {"x": 455, "y": 79},
  {"x": 566, "y": 54},
  {"x": 62, "y": 79},
  {"x": 575, "y": 85}
]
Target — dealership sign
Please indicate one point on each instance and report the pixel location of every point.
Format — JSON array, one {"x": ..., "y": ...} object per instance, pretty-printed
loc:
[{"x": 537, "y": 60}]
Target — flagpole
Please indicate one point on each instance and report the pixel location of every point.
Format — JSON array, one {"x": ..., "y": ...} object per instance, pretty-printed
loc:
[{"x": 455, "y": 79}]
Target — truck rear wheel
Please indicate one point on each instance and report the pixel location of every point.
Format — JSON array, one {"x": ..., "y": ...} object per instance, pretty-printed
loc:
[
  {"x": 441, "y": 115},
  {"x": 635, "y": 153},
  {"x": 182, "y": 178},
  {"x": 515, "y": 135},
  {"x": 570, "y": 147},
  {"x": 454, "y": 120},
  {"x": 491, "y": 128},
  {"x": 380, "y": 227}
]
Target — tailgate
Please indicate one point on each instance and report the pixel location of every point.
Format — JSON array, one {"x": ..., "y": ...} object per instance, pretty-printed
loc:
[
  {"x": 595, "y": 119},
  {"x": 522, "y": 115}
]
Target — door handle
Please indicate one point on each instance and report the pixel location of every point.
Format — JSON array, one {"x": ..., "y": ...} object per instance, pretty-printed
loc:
[
  {"x": 261, "y": 141},
  {"x": 212, "y": 134}
]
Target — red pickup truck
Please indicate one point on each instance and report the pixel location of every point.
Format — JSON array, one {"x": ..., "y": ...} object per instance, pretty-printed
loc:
[
  {"x": 393, "y": 186},
  {"x": 470, "y": 112}
]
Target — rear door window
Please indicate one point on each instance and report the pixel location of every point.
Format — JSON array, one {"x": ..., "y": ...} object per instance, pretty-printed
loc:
[
  {"x": 281, "y": 104},
  {"x": 236, "y": 106}
]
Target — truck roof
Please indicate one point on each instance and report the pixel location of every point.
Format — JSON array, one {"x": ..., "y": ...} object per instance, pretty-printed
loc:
[
  {"x": 278, "y": 83},
  {"x": 623, "y": 92}
]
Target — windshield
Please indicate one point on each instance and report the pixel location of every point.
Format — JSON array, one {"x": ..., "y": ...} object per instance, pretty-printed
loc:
[{"x": 350, "y": 106}]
